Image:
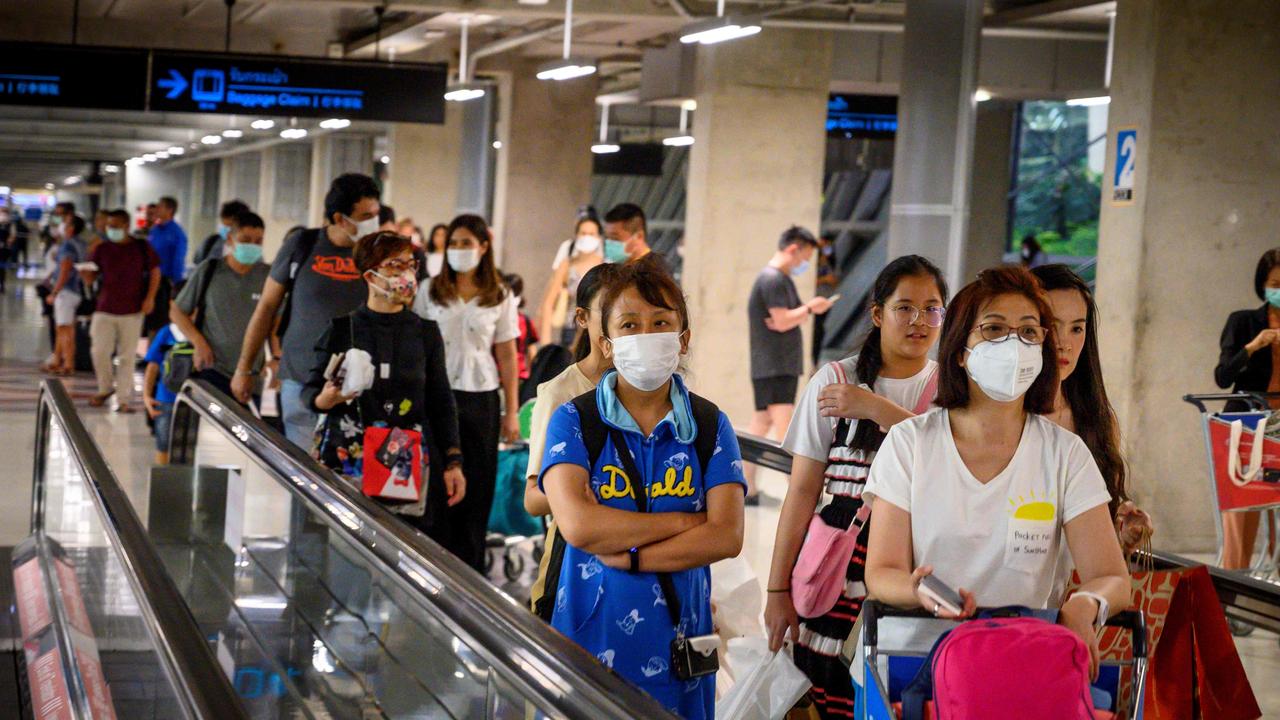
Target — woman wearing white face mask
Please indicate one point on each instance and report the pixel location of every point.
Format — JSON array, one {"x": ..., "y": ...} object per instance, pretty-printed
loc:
[
  {"x": 645, "y": 482},
  {"x": 555, "y": 320},
  {"x": 984, "y": 491},
  {"x": 478, "y": 319}
]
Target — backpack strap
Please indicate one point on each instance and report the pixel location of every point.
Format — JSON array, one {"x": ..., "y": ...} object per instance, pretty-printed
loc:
[
  {"x": 928, "y": 394},
  {"x": 707, "y": 418},
  {"x": 593, "y": 430},
  {"x": 306, "y": 243}
]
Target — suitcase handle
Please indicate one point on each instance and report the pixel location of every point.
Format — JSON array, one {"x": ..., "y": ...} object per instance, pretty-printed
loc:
[{"x": 1256, "y": 400}]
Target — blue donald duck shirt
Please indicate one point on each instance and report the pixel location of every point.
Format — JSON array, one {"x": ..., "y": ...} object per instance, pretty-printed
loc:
[{"x": 619, "y": 617}]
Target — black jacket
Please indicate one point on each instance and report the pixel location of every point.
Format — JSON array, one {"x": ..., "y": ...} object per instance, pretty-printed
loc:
[
  {"x": 1236, "y": 368},
  {"x": 416, "y": 391}
]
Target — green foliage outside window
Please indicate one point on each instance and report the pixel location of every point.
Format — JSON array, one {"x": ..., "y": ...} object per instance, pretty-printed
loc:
[{"x": 1056, "y": 196}]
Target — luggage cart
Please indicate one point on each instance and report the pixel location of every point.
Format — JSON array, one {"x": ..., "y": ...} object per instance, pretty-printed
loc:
[
  {"x": 875, "y": 698},
  {"x": 1260, "y": 495}
]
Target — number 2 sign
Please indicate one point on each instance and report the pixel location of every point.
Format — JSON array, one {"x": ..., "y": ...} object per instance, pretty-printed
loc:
[{"x": 1126, "y": 165}]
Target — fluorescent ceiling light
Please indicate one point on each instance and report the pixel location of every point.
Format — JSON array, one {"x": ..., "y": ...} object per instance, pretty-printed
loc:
[
  {"x": 133, "y": 162},
  {"x": 261, "y": 603},
  {"x": 149, "y": 157},
  {"x": 162, "y": 155},
  {"x": 385, "y": 159},
  {"x": 263, "y": 124},
  {"x": 566, "y": 69},
  {"x": 232, "y": 133},
  {"x": 211, "y": 139},
  {"x": 293, "y": 133},
  {"x": 462, "y": 92},
  {"x": 605, "y": 148},
  {"x": 719, "y": 29},
  {"x": 335, "y": 123},
  {"x": 1090, "y": 101},
  {"x": 72, "y": 180},
  {"x": 49, "y": 186},
  {"x": 678, "y": 141},
  {"x": 176, "y": 150},
  {"x": 981, "y": 95},
  {"x": 109, "y": 168}
]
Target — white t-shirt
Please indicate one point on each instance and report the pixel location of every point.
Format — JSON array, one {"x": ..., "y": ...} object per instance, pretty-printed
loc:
[
  {"x": 562, "y": 253},
  {"x": 470, "y": 331},
  {"x": 811, "y": 435},
  {"x": 1004, "y": 540}
]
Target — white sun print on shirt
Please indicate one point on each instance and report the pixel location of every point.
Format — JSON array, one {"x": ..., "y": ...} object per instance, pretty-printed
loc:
[
  {"x": 655, "y": 666},
  {"x": 606, "y": 657},
  {"x": 630, "y": 621}
]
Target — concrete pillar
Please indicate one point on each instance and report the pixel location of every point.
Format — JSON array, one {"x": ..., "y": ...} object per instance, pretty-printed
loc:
[
  {"x": 321, "y": 160},
  {"x": 422, "y": 177},
  {"x": 544, "y": 171},
  {"x": 933, "y": 160},
  {"x": 754, "y": 170},
  {"x": 994, "y": 126},
  {"x": 1200, "y": 82}
]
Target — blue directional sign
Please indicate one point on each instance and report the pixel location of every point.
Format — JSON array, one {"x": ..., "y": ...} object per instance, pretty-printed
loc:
[
  {"x": 862, "y": 116},
  {"x": 1126, "y": 165},
  {"x": 72, "y": 76},
  {"x": 261, "y": 85}
]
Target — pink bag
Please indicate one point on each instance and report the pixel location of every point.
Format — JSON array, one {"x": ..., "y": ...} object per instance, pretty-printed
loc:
[
  {"x": 819, "y": 574},
  {"x": 1011, "y": 667}
]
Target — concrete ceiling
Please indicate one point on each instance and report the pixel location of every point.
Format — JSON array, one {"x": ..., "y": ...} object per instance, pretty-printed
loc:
[{"x": 46, "y": 145}]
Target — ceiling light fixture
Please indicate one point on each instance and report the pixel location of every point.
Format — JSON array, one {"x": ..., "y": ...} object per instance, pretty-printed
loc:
[
  {"x": 149, "y": 157},
  {"x": 1090, "y": 101},
  {"x": 335, "y": 123},
  {"x": 72, "y": 180},
  {"x": 109, "y": 169},
  {"x": 263, "y": 124},
  {"x": 720, "y": 28},
  {"x": 133, "y": 162},
  {"x": 567, "y": 68},
  {"x": 464, "y": 90},
  {"x": 162, "y": 155},
  {"x": 49, "y": 186},
  {"x": 385, "y": 159},
  {"x": 176, "y": 150},
  {"x": 293, "y": 133},
  {"x": 211, "y": 139},
  {"x": 604, "y": 147},
  {"x": 232, "y": 133},
  {"x": 981, "y": 95},
  {"x": 684, "y": 138}
]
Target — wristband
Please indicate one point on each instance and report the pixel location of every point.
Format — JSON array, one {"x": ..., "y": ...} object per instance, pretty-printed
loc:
[
  {"x": 635, "y": 559},
  {"x": 779, "y": 590}
]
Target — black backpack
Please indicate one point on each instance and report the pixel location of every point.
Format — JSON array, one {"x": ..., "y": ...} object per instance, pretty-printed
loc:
[
  {"x": 550, "y": 361},
  {"x": 307, "y": 239},
  {"x": 705, "y": 415}
]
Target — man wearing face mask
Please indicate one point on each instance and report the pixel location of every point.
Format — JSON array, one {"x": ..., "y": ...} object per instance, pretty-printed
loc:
[
  {"x": 626, "y": 234},
  {"x": 215, "y": 244},
  {"x": 774, "y": 317},
  {"x": 314, "y": 279},
  {"x": 214, "y": 309}
]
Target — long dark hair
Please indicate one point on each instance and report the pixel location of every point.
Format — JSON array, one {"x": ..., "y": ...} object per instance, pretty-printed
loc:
[
  {"x": 444, "y": 287},
  {"x": 431, "y": 238},
  {"x": 870, "y": 355},
  {"x": 593, "y": 281},
  {"x": 1084, "y": 390}
]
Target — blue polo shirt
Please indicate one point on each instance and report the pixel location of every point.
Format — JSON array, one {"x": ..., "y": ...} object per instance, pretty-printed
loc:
[
  {"x": 619, "y": 617},
  {"x": 155, "y": 354},
  {"x": 170, "y": 243}
]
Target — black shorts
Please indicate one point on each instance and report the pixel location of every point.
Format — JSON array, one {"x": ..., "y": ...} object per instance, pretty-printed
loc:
[{"x": 779, "y": 390}]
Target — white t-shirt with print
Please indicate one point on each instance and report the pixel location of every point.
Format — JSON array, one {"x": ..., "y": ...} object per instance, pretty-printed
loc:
[
  {"x": 470, "y": 331},
  {"x": 1002, "y": 540},
  {"x": 811, "y": 435}
]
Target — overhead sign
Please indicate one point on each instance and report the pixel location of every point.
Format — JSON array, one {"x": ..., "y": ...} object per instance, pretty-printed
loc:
[
  {"x": 71, "y": 76},
  {"x": 264, "y": 85},
  {"x": 862, "y": 116},
  {"x": 1126, "y": 165}
]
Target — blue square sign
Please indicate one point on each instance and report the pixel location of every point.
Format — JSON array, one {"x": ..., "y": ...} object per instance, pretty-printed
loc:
[{"x": 1126, "y": 165}]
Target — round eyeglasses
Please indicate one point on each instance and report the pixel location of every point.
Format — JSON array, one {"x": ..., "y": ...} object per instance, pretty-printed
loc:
[
  {"x": 999, "y": 332},
  {"x": 910, "y": 314}
]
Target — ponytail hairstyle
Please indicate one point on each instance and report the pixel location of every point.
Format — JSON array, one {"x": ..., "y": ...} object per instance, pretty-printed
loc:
[
  {"x": 592, "y": 283},
  {"x": 1085, "y": 392},
  {"x": 444, "y": 287},
  {"x": 870, "y": 356}
]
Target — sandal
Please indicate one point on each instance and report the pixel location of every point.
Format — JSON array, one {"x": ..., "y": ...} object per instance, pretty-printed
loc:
[{"x": 100, "y": 399}]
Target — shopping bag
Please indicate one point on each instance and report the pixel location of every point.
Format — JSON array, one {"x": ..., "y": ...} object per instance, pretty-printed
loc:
[
  {"x": 1244, "y": 470},
  {"x": 393, "y": 464},
  {"x": 736, "y": 607},
  {"x": 767, "y": 684},
  {"x": 507, "y": 515}
]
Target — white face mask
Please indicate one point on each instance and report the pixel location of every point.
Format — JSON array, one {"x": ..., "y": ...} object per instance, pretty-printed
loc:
[
  {"x": 463, "y": 260},
  {"x": 648, "y": 360},
  {"x": 1005, "y": 370},
  {"x": 363, "y": 227},
  {"x": 586, "y": 244}
]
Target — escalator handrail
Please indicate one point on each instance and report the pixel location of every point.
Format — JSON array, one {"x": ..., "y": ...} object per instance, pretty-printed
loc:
[
  {"x": 202, "y": 688},
  {"x": 543, "y": 663}
]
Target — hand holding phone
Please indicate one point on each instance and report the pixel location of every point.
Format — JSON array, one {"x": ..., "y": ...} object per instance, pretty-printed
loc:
[{"x": 941, "y": 599}]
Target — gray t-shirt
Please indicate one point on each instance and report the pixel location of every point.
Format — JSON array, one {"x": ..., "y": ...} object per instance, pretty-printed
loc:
[
  {"x": 325, "y": 286},
  {"x": 228, "y": 306},
  {"x": 774, "y": 354}
]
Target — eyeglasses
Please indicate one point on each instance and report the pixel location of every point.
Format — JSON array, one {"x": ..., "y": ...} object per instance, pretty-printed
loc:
[
  {"x": 999, "y": 332},
  {"x": 399, "y": 266},
  {"x": 909, "y": 314}
]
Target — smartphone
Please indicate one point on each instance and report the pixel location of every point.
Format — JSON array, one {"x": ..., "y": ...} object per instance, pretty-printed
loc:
[
  {"x": 942, "y": 594},
  {"x": 335, "y": 372},
  {"x": 834, "y": 298}
]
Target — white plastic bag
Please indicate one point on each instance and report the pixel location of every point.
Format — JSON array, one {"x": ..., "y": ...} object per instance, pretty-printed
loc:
[
  {"x": 358, "y": 365},
  {"x": 736, "y": 599},
  {"x": 767, "y": 684}
]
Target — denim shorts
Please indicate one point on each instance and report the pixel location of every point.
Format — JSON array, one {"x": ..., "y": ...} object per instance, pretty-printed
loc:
[{"x": 163, "y": 422}]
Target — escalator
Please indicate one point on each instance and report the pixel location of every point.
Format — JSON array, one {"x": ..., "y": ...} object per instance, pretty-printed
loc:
[{"x": 262, "y": 586}]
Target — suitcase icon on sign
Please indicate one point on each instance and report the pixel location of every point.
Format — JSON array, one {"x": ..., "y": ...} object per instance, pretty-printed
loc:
[{"x": 208, "y": 85}]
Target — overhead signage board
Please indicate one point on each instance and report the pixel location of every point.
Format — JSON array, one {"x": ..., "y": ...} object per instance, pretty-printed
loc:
[
  {"x": 283, "y": 86},
  {"x": 71, "y": 76},
  {"x": 862, "y": 116},
  {"x": 1126, "y": 165}
]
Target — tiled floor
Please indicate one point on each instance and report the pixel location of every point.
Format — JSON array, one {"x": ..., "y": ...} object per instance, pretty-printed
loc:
[{"x": 128, "y": 448}]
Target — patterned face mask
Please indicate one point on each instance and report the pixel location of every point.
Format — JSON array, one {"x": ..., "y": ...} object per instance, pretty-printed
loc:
[{"x": 399, "y": 288}]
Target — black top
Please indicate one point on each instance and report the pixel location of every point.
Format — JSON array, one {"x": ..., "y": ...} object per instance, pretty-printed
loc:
[
  {"x": 1236, "y": 368},
  {"x": 773, "y": 354},
  {"x": 414, "y": 394}
]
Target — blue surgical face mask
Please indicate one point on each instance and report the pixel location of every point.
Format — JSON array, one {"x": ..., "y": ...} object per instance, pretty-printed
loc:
[
  {"x": 224, "y": 231},
  {"x": 800, "y": 269},
  {"x": 247, "y": 253},
  {"x": 615, "y": 251},
  {"x": 1273, "y": 297},
  {"x": 115, "y": 234}
]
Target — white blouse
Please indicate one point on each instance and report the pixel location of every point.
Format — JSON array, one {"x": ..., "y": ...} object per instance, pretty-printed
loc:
[{"x": 470, "y": 331}]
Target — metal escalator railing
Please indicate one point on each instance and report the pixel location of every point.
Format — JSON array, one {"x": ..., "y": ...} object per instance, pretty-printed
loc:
[
  {"x": 446, "y": 613},
  {"x": 1244, "y": 598},
  {"x": 90, "y": 498}
]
